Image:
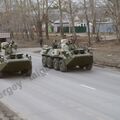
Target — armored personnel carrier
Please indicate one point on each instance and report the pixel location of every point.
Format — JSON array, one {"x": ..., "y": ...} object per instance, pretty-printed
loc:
[
  {"x": 66, "y": 56},
  {"x": 13, "y": 62}
]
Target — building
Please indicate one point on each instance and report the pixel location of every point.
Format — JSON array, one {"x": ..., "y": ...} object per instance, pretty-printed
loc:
[
  {"x": 4, "y": 37},
  {"x": 105, "y": 27},
  {"x": 80, "y": 27},
  {"x": 57, "y": 25}
]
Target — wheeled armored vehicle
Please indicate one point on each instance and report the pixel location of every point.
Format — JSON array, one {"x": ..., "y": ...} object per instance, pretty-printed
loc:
[
  {"x": 12, "y": 62},
  {"x": 66, "y": 57}
]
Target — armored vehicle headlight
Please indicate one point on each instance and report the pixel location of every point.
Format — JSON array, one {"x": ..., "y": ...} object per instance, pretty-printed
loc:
[
  {"x": 26, "y": 55},
  {"x": 90, "y": 50},
  {"x": 1, "y": 59},
  {"x": 29, "y": 57}
]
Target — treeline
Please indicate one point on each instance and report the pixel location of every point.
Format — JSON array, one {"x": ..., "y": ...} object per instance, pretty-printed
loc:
[{"x": 28, "y": 17}]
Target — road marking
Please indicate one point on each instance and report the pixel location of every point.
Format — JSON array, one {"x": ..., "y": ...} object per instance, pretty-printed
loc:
[{"x": 85, "y": 86}]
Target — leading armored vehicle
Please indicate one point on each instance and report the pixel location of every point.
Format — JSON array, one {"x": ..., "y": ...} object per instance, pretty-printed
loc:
[
  {"x": 12, "y": 62},
  {"x": 66, "y": 56}
]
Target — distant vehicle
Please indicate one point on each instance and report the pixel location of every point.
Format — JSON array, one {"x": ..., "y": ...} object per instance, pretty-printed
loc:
[
  {"x": 13, "y": 62},
  {"x": 66, "y": 56},
  {"x": 4, "y": 37}
]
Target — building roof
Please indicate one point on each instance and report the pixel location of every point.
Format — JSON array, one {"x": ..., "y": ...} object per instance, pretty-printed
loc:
[{"x": 64, "y": 22}]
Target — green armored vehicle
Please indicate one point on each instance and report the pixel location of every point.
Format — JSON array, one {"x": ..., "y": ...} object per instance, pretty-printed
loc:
[
  {"x": 66, "y": 56},
  {"x": 13, "y": 62}
]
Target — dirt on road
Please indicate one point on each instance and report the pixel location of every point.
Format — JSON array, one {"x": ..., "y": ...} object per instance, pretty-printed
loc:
[{"x": 7, "y": 114}]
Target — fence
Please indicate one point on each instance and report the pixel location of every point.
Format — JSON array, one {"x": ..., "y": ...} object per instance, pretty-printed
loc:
[{"x": 79, "y": 29}]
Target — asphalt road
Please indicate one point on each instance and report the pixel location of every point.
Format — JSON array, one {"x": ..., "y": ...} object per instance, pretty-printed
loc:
[{"x": 52, "y": 95}]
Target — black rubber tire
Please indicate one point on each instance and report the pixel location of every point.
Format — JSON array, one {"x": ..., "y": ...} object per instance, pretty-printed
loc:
[
  {"x": 49, "y": 62},
  {"x": 89, "y": 67},
  {"x": 44, "y": 61},
  {"x": 56, "y": 64},
  {"x": 63, "y": 67}
]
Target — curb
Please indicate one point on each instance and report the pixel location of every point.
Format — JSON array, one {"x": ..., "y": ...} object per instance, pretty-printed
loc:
[{"x": 7, "y": 114}]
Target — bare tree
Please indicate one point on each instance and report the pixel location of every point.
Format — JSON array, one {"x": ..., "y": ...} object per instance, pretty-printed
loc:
[
  {"x": 47, "y": 20},
  {"x": 93, "y": 14},
  {"x": 88, "y": 22},
  {"x": 39, "y": 24},
  {"x": 61, "y": 18},
  {"x": 72, "y": 20},
  {"x": 114, "y": 12}
]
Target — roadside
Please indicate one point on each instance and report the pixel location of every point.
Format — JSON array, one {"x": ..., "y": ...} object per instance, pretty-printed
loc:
[
  {"x": 7, "y": 114},
  {"x": 106, "y": 52}
]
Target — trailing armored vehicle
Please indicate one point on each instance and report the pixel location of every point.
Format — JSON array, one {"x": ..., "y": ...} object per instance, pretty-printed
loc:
[
  {"x": 4, "y": 37},
  {"x": 13, "y": 62},
  {"x": 66, "y": 56}
]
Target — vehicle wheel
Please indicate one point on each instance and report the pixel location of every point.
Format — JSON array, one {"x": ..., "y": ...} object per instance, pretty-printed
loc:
[
  {"x": 44, "y": 61},
  {"x": 89, "y": 67},
  {"x": 49, "y": 62},
  {"x": 62, "y": 65},
  {"x": 56, "y": 64}
]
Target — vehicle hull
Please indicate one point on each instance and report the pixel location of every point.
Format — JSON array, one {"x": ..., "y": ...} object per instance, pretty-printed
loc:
[
  {"x": 15, "y": 66},
  {"x": 79, "y": 61}
]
